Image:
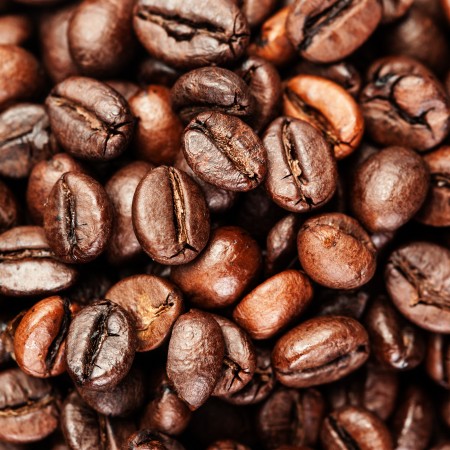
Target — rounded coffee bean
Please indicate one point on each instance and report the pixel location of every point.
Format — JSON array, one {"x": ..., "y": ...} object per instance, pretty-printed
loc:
[
  {"x": 195, "y": 357},
  {"x": 320, "y": 350},
  {"x": 78, "y": 218},
  {"x": 224, "y": 151},
  {"x": 9, "y": 208},
  {"x": 89, "y": 119},
  {"x": 40, "y": 338},
  {"x": 437, "y": 362},
  {"x": 170, "y": 216},
  {"x": 389, "y": 188},
  {"x": 152, "y": 440},
  {"x": 15, "y": 29},
  {"x": 100, "y": 346},
  {"x": 223, "y": 272},
  {"x": 418, "y": 281},
  {"x": 335, "y": 251},
  {"x": 274, "y": 304},
  {"x": 301, "y": 170},
  {"x": 28, "y": 265}
]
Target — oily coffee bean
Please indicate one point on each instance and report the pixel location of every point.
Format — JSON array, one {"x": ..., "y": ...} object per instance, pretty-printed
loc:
[
  {"x": 335, "y": 251},
  {"x": 170, "y": 216},
  {"x": 389, "y": 188},
  {"x": 437, "y": 362},
  {"x": 191, "y": 35},
  {"x": 223, "y": 272},
  {"x": 227, "y": 444},
  {"x": 256, "y": 10},
  {"x": 353, "y": 427},
  {"x": 25, "y": 139},
  {"x": 15, "y": 29},
  {"x": 123, "y": 245},
  {"x": 195, "y": 357},
  {"x": 78, "y": 218},
  {"x": 320, "y": 350},
  {"x": 9, "y": 208},
  {"x": 152, "y": 440},
  {"x": 343, "y": 303},
  {"x": 394, "y": 9},
  {"x": 153, "y": 302},
  {"x": 29, "y": 407},
  {"x": 327, "y": 31},
  {"x": 154, "y": 71},
  {"x": 301, "y": 170},
  {"x": 328, "y": 107},
  {"x": 224, "y": 151},
  {"x": 125, "y": 88},
  {"x": 274, "y": 304},
  {"x": 100, "y": 346},
  {"x": 28, "y": 265},
  {"x": 40, "y": 337},
  {"x": 89, "y": 119},
  {"x": 211, "y": 89},
  {"x": 418, "y": 281}
]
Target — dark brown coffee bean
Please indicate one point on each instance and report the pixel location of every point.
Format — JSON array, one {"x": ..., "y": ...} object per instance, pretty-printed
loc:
[
  {"x": 320, "y": 350},
  {"x": 418, "y": 281},
  {"x": 274, "y": 304},
  {"x": 125, "y": 88},
  {"x": 195, "y": 356},
  {"x": 224, "y": 151},
  {"x": 100, "y": 346},
  {"x": 255, "y": 10},
  {"x": 335, "y": 251},
  {"x": 28, "y": 265},
  {"x": 15, "y": 29},
  {"x": 151, "y": 440},
  {"x": 227, "y": 444},
  {"x": 223, "y": 272},
  {"x": 437, "y": 362},
  {"x": 153, "y": 71},
  {"x": 90, "y": 120},
  {"x": 343, "y": 303},
  {"x": 78, "y": 218},
  {"x": 170, "y": 216},
  {"x": 191, "y": 35},
  {"x": 301, "y": 170},
  {"x": 9, "y": 208}
]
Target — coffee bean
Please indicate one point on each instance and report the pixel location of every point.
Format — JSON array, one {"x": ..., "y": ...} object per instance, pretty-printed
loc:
[
  {"x": 437, "y": 362},
  {"x": 154, "y": 71},
  {"x": 15, "y": 29},
  {"x": 152, "y": 440},
  {"x": 9, "y": 208},
  {"x": 394, "y": 9},
  {"x": 255, "y": 10},
  {"x": 126, "y": 89}
]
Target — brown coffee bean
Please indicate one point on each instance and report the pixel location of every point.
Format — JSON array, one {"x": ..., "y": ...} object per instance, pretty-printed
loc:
[
  {"x": 394, "y": 9},
  {"x": 15, "y": 29},
  {"x": 152, "y": 440},
  {"x": 153, "y": 71},
  {"x": 9, "y": 208},
  {"x": 256, "y": 10},
  {"x": 125, "y": 88},
  {"x": 437, "y": 362}
]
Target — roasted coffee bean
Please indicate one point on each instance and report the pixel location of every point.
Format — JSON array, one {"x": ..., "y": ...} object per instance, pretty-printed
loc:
[
  {"x": 29, "y": 407},
  {"x": 123, "y": 245},
  {"x": 227, "y": 444},
  {"x": 328, "y": 107},
  {"x": 90, "y": 120},
  {"x": 195, "y": 357},
  {"x": 255, "y": 10},
  {"x": 274, "y": 304},
  {"x": 320, "y": 350},
  {"x": 25, "y": 139},
  {"x": 152, "y": 440},
  {"x": 15, "y": 29},
  {"x": 170, "y": 216},
  {"x": 154, "y": 71},
  {"x": 100, "y": 346},
  {"x": 403, "y": 104},
  {"x": 389, "y": 188},
  {"x": 191, "y": 35},
  {"x": 78, "y": 218},
  {"x": 301, "y": 170},
  {"x": 394, "y": 9},
  {"x": 353, "y": 427},
  {"x": 418, "y": 281},
  {"x": 28, "y": 265},
  {"x": 40, "y": 337},
  {"x": 335, "y": 251},
  {"x": 437, "y": 362},
  {"x": 224, "y": 271},
  {"x": 125, "y": 88},
  {"x": 224, "y": 151},
  {"x": 158, "y": 130},
  {"x": 9, "y": 208},
  {"x": 343, "y": 303},
  {"x": 211, "y": 89}
]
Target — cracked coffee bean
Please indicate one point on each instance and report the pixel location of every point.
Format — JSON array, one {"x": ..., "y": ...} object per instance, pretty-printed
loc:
[
  {"x": 89, "y": 119},
  {"x": 100, "y": 346},
  {"x": 437, "y": 362},
  {"x": 170, "y": 216},
  {"x": 78, "y": 218}
]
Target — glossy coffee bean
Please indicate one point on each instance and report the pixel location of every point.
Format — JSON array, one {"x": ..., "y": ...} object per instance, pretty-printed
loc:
[
  {"x": 418, "y": 281},
  {"x": 320, "y": 350},
  {"x": 28, "y": 266},
  {"x": 224, "y": 151},
  {"x": 394, "y": 9},
  {"x": 100, "y": 346},
  {"x": 437, "y": 362},
  {"x": 29, "y": 407},
  {"x": 335, "y": 251},
  {"x": 9, "y": 208},
  {"x": 152, "y": 440},
  {"x": 191, "y": 35},
  {"x": 170, "y": 216},
  {"x": 329, "y": 31},
  {"x": 195, "y": 357},
  {"x": 77, "y": 218},
  {"x": 15, "y": 29},
  {"x": 90, "y": 120},
  {"x": 301, "y": 170},
  {"x": 223, "y": 272},
  {"x": 389, "y": 188},
  {"x": 328, "y": 107},
  {"x": 274, "y": 304}
]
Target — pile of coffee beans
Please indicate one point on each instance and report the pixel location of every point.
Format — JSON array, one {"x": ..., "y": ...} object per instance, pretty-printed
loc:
[{"x": 225, "y": 225}]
